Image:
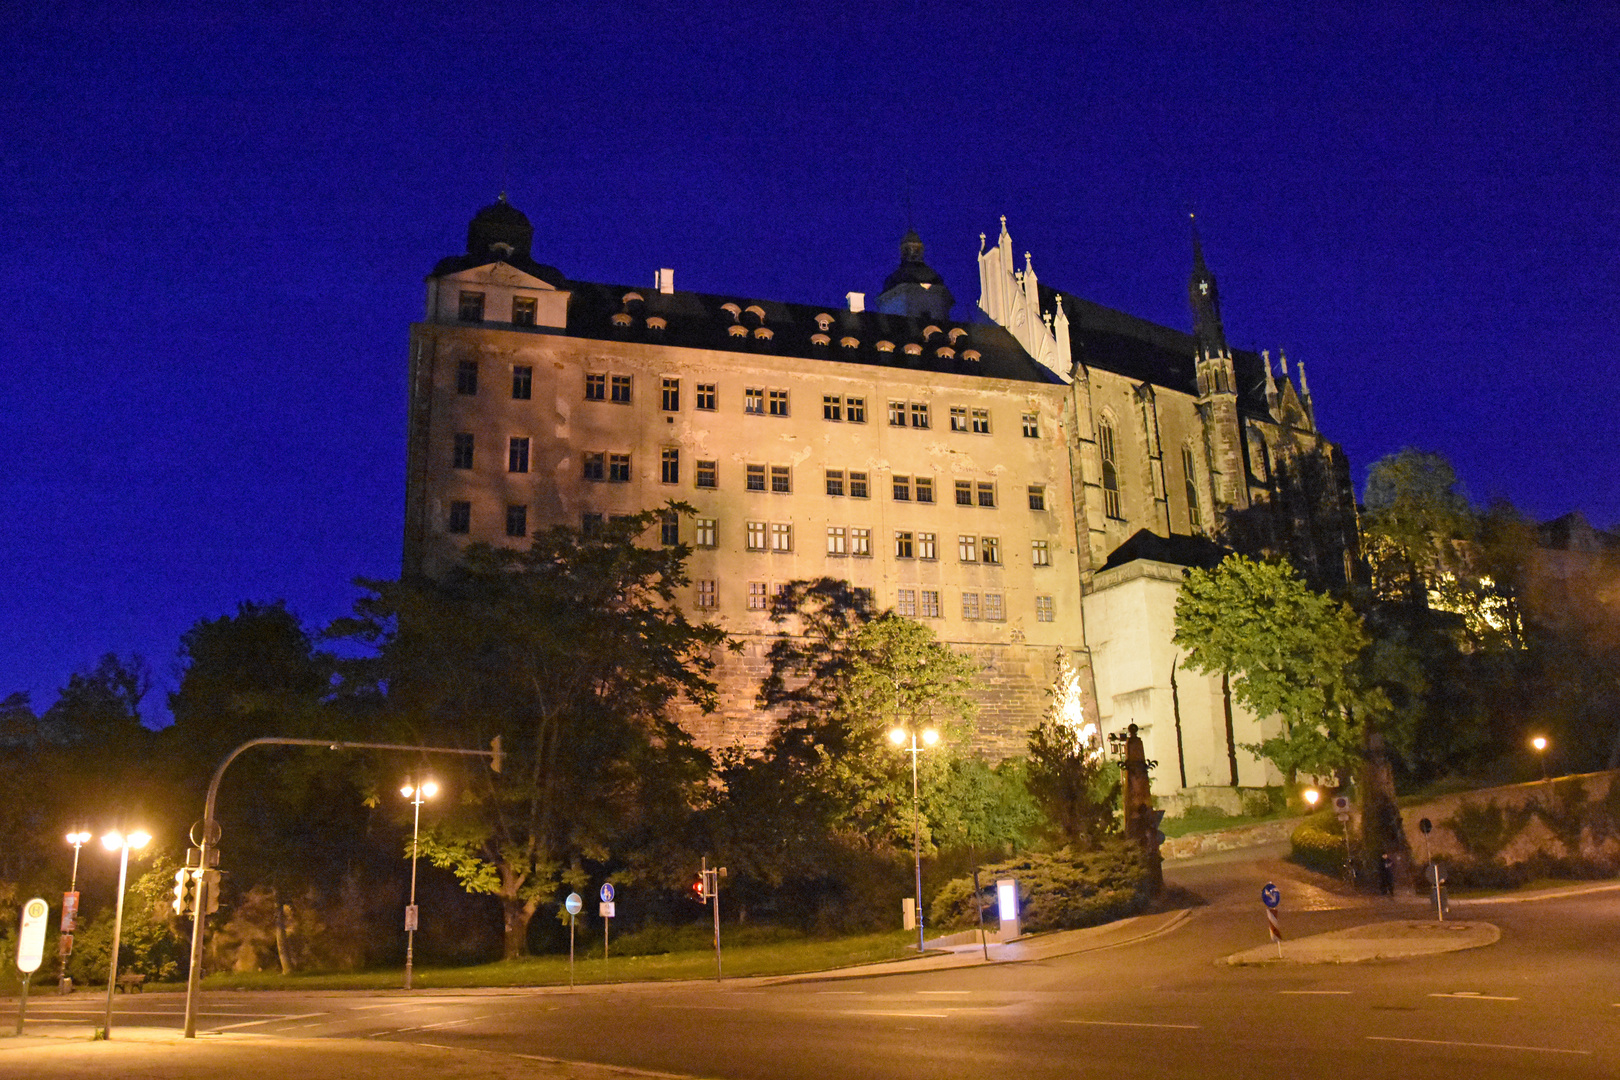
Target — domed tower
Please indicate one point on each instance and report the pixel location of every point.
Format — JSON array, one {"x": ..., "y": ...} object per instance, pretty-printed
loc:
[
  {"x": 915, "y": 289},
  {"x": 502, "y": 230}
]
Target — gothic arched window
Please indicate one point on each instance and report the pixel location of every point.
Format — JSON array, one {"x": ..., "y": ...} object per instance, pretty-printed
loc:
[
  {"x": 1190, "y": 472},
  {"x": 1110, "y": 470}
]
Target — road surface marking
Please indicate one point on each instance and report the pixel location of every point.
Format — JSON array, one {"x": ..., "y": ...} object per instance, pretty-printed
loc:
[
  {"x": 874, "y": 1012},
  {"x": 1474, "y": 995},
  {"x": 710, "y": 1008},
  {"x": 840, "y": 993},
  {"x": 271, "y": 1020},
  {"x": 942, "y": 993},
  {"x": 1339, "y": 992},
  {"x": 1133, "y": 1023},
  {"x": 1484, "y": 1046}
]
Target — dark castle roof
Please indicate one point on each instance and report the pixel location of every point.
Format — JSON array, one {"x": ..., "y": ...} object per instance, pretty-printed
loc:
[
  {"x": 1176, "y": 550},
  {"x": 500, "y": 232}
]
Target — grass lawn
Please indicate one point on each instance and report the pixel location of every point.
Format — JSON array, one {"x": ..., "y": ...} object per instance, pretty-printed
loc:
[
  {"x": 779, "y": 957},
  {"x": 1207, "y": 820}
]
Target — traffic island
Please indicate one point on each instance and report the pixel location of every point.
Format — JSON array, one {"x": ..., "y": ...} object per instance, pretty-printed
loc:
[{"x": 1397, "y": 940}]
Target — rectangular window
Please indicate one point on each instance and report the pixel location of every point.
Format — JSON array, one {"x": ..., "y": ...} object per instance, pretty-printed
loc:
[
  {"x": 987, "y": 493},
  {"x": 1044, "y": 609},
  {"x": 706, "y": 595},
  {"x": 902, "y": 489},
  {"x": 523, "y": 310},
  {"x": 781, "y": 479},
  {"x": 522, "y": 383},
  {"x": 1040, "y": 553},
  {"x": 925, "y": 489},
  {"x": 958, "y": 418},
  {"x": 970, "y": 605},
  {"x": 835, "y": 481},
  {"x": 472, "y": 307},
  {"x": 620, "y": 387},
  {"x": 463, "y": 456},
  {"x": 919, "y": 414},
  {"x": 754, "y": 401},
  {"x": 756, "y": 478},
  {"x": 837, "y": 541},
  {"x": 1037, "y": 496},
  {"x": 618, "y": 468},
  {"x": 669, "y": 528},
  {"x": 517, "y": 454},
  {"x": 855, "y": 410},
  {"x": 781, "y": 537},
  {"x": 669, "y": 465},
  {"x": 832, "y": 407},
  {"x": 928, "y": 604},
  {"x": 460, "y": 517},
  {"x": 705, "y": 533},
  {"x": 981, "y": 421},
  {"x": 897, "y": 414},
  {"x": 964, "y": 493},
  {"x": 595, "y": 466},
  {"x": 904, "y": 546},
  {"x": 467, "y": 377},
  {"x": 590, "y": 525},
  {"x": 596, "y": 388},
  {"x": 1032, "y": 426},
  {"x": 708, "y": 474},
  {"x": 707, "y": 397},
  {"x": 857, "y": 485},
  {"x": 967, "y": 548},
  {"x": 517, "y": 520},
  {"x": 778, "y": 402},
  {"x": 994, "y": 609},
  {"x": 860, "y": 543},
  {"x": 990, "y": 549},
  {"x": 758, "y": 596},
  {"x": 672, "y": 395},
  {"x": 926, "y": 546},
  {"x": 905, "y": 603},
  {"x": 756, "y": 536}
]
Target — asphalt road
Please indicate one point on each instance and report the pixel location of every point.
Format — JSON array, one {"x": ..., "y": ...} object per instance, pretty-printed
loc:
[{"x": 1543, "y": 1002}]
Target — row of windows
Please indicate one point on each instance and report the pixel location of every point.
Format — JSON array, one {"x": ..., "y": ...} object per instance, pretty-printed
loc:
[
  {"x": 1108, "y": 450},
  {"x": 912, "y": 603},
  {"x": 762, "y": 401},
  {"x": 471, "y": 308}
]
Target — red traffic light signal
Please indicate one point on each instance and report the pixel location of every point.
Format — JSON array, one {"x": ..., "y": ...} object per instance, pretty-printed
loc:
[{"x": 698, "y": 892}]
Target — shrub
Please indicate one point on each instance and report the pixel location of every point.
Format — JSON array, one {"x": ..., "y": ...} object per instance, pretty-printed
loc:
[
  {"x": 1063, "y": 890},
  {"x": 1317, "y": 847},
  {"x": 1483, "y": 831}
]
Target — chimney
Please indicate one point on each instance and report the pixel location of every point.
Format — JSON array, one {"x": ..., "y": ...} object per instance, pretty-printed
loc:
[
  {"x": 857, "y": 301},
  {"x": 664, "y": 281}
]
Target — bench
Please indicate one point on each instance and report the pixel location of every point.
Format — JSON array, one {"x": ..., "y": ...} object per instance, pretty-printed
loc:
[{"x": 130, "y": 983}]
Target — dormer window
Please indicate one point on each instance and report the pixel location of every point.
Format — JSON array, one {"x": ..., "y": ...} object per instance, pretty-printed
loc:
[
  {"x": 820, "y": 339},
  {"x": 824, "y": 322},
  {"x": 885, "y": 346},
  {"x": 631, "y": 298},
  {"x": 737, "y": 330},
  {"x": 621, "y": 319},
  {"x": 945, "y": 352},
  {"x": 913, "y": 349},
  {"x": 929, "y": 332},
  {"x": 656, "y": 322},
  {"x": 850, "y": 343},
  {"x": 971, "y": 354},
  {"x": 756, "y": 311},
  {"x": 733, "y": 310},
  {"x": 956, "y": 334},
  {"x": 523, "y": 310},
  {"x": 764, "y": 333},
  {"x": 472, "y": 307}
]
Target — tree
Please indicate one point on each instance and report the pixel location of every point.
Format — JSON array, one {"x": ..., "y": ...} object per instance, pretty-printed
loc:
[
  {"x": 1414, "y": 522},
  {"x": 101, "y": 705},
  {"x": 1070, "y": 777},
  {"x": 571, "y": 650},
  {"x": 1289, "y": 651}
]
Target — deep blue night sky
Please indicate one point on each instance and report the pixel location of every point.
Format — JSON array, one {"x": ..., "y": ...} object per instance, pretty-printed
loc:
[{"x": 217, "y": 226}]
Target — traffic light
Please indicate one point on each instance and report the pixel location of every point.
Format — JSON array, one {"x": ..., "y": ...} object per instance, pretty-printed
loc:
[
  {"x": 698, "y": 893},
  {"x": 497, "y": 756},
  {"x": 184, "y": 898},
  {"x": 212, "y": 878}
]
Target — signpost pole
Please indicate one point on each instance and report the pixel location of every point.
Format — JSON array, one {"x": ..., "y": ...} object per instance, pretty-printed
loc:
[
  {"x": 1271, "y": 896},
  {"x": 22, "y": 1003},
  {"x": 30, "y": 949},
  {"x": 572, "y": 905}
]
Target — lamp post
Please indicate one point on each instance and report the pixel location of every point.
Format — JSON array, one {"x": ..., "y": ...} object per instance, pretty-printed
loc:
[
  {"x": 78, "y": 840},
  {"x": 1310, "y": 795},
  {"x": 1539, "y": 743},
  {"x": 418, "y": 794},
  {"x": 929, "y": 737},
  {"x": 119, "y": 842}
]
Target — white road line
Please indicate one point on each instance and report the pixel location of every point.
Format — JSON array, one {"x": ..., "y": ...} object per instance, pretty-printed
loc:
[
  {"x": 840, "y": 993},
  {"x": 944, "y": 993},
  {"x": 1483, "y": 1046},
  {"x": 1340, "y": 993},
  {"x": 1133, "y": 1023},
  {"x": 1474, "y": 995},
  {"x": 874, "y": 1012},
  {"x": 708, "y": 1008},
  {"x": 270, "y": 1020}
]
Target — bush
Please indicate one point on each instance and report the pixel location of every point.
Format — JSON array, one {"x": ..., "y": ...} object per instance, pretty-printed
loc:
[
  {"x": 1317, "y": 846},
  {"x": 1063, "y": 890}
]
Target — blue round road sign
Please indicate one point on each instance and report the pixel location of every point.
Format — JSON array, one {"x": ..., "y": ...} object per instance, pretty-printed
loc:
[
  {"x": 607, "y": 892},
  {"x": 573, "y": 904},
  {"x": 1270, "y": 895}
]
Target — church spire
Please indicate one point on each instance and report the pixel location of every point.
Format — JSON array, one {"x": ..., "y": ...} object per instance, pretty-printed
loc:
[{"x": 1206, "y": 302}]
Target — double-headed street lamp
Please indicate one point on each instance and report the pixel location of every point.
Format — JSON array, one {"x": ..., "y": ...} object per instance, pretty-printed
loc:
[
  {"x": 121, "y": 843},
  {"x": 418, "y": 794},
  {"x": 929, "y": 737},
  {"x": 78, "y": 840}
]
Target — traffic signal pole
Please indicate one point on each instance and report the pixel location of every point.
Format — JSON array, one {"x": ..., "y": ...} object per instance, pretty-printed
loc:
[{"x": 210, "y": 836}]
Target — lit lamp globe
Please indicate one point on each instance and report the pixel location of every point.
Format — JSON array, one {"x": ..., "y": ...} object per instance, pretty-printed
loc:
[{"x": 1310, "y": 795}]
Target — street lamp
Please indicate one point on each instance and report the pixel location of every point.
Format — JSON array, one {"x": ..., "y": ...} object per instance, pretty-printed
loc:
[
  {"x": 78, "y": 840},
  {"x": 1540, "y": 745},
  {"x": 418, "y": 794},
  {"x": 1310, "y": 795},
  {"x": 121, "y": 843},
  {"x": 929, "y": 737}
]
